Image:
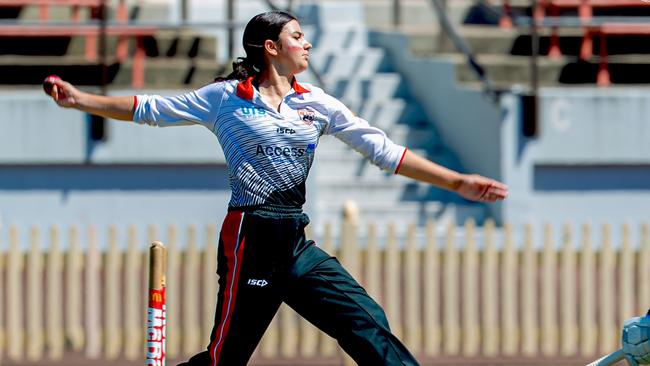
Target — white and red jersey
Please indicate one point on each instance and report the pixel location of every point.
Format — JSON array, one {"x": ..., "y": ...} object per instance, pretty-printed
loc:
[{"x": 269, "y": 152}]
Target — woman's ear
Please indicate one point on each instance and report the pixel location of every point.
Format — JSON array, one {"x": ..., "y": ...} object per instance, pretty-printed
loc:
[{"x": 271, "y": 47}]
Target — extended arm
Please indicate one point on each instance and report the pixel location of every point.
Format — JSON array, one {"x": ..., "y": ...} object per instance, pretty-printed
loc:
[
  {"x": 67, "y": 96},
  {"x": 199, "y": 106},
  {"x": 375, "y": 145},
  {"x": 470, "y": 186}
]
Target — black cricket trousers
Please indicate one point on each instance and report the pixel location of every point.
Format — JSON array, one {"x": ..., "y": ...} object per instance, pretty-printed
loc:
[{"x": 264, "y": 259}]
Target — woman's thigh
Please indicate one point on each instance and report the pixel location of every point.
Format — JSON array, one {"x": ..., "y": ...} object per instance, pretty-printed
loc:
[{"x": 331, "y": 299}]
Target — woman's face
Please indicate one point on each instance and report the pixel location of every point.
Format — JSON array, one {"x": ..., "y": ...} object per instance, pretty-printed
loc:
[{"x": 293, "y": 49}]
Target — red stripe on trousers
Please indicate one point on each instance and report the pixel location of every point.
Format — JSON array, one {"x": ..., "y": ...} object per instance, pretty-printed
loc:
[{"x": 230, "y": 237}]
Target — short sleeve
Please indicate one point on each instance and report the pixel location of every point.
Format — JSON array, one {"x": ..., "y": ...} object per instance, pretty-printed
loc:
[
  {"x": 370, "y": 141},
  {"x": 199, "y": 106}
]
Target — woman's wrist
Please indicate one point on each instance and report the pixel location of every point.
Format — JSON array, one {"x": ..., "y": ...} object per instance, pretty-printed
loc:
[
  {"x": 82, "y": 101},
  {"x": 456, "y": 181},
  {"x": 92, "y": 103}
]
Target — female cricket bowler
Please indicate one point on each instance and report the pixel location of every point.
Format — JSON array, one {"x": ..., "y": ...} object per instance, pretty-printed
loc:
[{"x": 269, "y": 126}]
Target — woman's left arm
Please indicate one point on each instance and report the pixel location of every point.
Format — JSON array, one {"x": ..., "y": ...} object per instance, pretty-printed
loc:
[
  {"x": 470, "y": 186},
  {"x": 373, "y": 143}
]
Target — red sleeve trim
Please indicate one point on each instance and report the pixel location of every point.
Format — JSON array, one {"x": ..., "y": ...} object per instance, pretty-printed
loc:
[
  {"x": 135, "y": 102},
  {"x": 401, "y": 160}
]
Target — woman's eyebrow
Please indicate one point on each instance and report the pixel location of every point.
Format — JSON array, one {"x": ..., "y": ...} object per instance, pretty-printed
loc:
[{"x": 298, "y": 33}]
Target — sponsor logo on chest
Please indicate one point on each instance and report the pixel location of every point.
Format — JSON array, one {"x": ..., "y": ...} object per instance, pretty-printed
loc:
[
  {"x": 274, "y": 150},
  {"x": 284, "y": 151}
]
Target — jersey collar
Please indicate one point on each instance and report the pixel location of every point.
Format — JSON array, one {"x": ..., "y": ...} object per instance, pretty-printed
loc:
[
  {"x": 299, "y": 88},
  {"x": 245, "y": 89}
]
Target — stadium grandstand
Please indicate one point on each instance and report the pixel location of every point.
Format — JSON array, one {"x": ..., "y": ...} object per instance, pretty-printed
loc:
[{"x": 551, "y": 97}]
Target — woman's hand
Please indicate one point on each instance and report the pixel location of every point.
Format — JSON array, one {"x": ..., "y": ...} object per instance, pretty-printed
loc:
[
  {"x": 67, "y": 96},
  {"x": 478, "y": 188},
  {"x": 63, "y": 93},
  {"x": 469, "y": 186}
]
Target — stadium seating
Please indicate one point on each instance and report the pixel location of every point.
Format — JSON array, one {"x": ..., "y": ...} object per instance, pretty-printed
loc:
[
  {"x": 603, "y": 31},
  {"x": 54, "y": 41},
  {"x": 585, "y": 12},
  {"x": 549, "y": 13},
  {"x": 42, "y": 29},
  {"x": 75, "y": 6},
  {"x": 91, "y": 33}
]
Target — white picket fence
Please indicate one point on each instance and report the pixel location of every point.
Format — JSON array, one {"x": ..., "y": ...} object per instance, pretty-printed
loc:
[{"x": 443, "y": 295}]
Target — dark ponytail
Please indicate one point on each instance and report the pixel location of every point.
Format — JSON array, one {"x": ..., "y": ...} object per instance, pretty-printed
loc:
[
  {"x": 259, "y": 29},
  {"x": 242, "y": 68}
]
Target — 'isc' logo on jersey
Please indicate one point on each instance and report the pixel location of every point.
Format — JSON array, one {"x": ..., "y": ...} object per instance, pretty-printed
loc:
[
  {"x": 252, "y": 112},
  {"x": 285, "y": 130}
]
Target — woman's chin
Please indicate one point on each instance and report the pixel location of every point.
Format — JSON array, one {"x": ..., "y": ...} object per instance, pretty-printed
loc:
[{"x": 302, "y": 68}]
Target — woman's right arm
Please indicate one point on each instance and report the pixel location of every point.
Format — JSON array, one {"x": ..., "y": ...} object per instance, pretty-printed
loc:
[
  {"x": 67, "y": 96},
  {"x": 199, "y": 106}
]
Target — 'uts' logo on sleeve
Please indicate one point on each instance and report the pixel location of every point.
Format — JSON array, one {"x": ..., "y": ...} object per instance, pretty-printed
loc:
[
  {"x": 252, "y": 112},
  {"x": 307, "y": 116}
]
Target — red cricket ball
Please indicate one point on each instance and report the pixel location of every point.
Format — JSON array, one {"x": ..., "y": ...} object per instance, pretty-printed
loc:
[{"x": 47, "y": 84}]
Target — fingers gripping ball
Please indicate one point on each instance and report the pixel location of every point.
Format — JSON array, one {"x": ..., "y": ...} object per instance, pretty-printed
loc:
[
  {"x": 636, "y": 340},
  {"x": 48, "y": 84}
]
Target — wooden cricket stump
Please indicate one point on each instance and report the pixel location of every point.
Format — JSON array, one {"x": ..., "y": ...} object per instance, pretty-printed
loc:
[{"x": 156, "y": 312}]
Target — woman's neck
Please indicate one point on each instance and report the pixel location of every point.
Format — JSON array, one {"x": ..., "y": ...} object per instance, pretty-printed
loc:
[
  {"x": 273, "y": 84},
  {"x": 273, "y": 87}
]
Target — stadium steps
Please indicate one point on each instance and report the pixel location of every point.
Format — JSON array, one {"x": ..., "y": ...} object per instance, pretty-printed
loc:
[
  {"x": 159, "y": 72},
  {"x": 425, "y": 41},
  {"x": 170, "y": 73},
  {"x": 175, "y": 57},
  {"x": 379, "y": 13},
  {"x": 362, "y": 77},
  {"x": 166, "y": 43},
  {"x": 153, "y": 11},
  {"x": 508, "y": 70},
  {"x": 31, "y": 70},
  {"x": 504, "y": 53},
  {"x": 494, "y": 48}
]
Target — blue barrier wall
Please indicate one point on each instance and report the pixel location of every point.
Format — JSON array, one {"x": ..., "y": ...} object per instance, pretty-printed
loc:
[
  {"x": 588, "y": 163},
  {"x": 51, "y": 172}
]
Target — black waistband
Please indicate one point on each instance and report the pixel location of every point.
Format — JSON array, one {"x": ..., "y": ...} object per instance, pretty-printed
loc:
[{"x": 276, "y": 211}]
